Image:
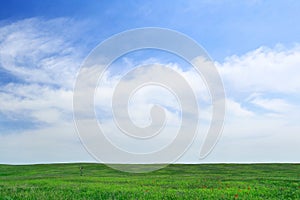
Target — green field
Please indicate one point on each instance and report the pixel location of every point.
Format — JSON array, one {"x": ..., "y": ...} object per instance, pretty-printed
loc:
[{"x": 207, "y": 181}]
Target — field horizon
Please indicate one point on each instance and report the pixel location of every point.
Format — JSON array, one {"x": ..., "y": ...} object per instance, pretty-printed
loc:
[
  {"x": 181, "y": 163},
  {"x": 176, "y": 181}
]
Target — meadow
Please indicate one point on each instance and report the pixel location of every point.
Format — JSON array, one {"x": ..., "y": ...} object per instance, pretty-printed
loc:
[{"x": 203, "y": 181}]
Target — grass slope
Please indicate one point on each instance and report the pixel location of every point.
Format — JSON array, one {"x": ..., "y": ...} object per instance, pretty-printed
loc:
[{"x": 207, "y": 181}]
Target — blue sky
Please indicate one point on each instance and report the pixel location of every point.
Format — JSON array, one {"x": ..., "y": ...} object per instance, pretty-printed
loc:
[
  {"x": 223, "y": 27},
  {"x": 254, "y": 44}
]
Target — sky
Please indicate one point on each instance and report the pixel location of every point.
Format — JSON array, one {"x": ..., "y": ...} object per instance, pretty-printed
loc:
[{"x": 254, "y": 44}]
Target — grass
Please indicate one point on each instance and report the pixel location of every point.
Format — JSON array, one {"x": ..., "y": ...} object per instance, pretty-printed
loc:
[{"x": 206, "y": 181}]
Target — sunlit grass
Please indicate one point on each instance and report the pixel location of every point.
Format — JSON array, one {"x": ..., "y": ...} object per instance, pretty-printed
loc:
[{"x": 214, "y": 181}]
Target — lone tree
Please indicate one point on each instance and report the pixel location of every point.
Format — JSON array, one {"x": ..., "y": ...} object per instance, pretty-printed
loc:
[{"x": 81, "y": 170}]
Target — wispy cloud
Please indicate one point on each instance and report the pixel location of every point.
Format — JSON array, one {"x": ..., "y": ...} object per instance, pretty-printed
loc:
[
  {"x": 42, "y": 58},
  {"x": 41, "y": 51}
]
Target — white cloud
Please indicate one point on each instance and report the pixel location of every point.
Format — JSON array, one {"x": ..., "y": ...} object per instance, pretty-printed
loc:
[
  {"x": 235, "y": 109},
  {"x": 58, "y": 143},
  {"x": 142, "y": 100},
  {"x": 43, "y": 57},
  {"x": 41, "y": 54},
  {"x": 262, "y": 122},
  {"x": 263, "y": 70},
  {"x": 275, "y": 105},
  {"x": 40, "y": 51}
]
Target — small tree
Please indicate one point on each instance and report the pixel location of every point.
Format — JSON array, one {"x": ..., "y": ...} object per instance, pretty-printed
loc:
[{"x": 81, "y": 170}]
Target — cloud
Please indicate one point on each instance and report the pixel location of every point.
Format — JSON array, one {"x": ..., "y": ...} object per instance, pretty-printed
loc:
[
  {"x": 262, "y": 89},
  {"x": 37, "y": 103},
  {"x": 262, "y": 108},
  {"x": 275, "y": 105},
  {"x": 143, "y": 97},
  {"x": 40, "y": 51},
  {"x": 42, "y": 58},
  {"x": 263, "y": 70},
  {"x": 235, "y": 109},
  {"x": 58, "y": 143}
]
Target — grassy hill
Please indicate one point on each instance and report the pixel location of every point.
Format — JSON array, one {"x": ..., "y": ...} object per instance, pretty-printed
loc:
[{"x": 206, "y": 181}]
